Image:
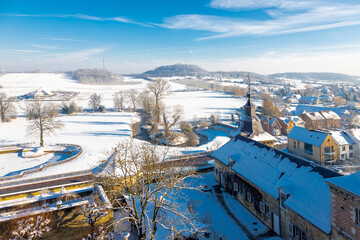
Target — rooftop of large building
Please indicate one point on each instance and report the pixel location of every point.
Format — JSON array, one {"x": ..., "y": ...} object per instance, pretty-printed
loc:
[{"x": 271, "y": 169}]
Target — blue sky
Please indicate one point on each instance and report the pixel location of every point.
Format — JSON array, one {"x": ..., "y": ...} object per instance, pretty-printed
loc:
[{"x": 264, "y": 36}]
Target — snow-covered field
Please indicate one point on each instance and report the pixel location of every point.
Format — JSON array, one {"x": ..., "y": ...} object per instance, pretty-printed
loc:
[{"x": 98, "y": 133}]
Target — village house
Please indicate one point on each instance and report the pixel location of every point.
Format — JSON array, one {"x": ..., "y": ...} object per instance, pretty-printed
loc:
[
  {"x": 286, "y": 125},
  {"x": 345, "y": 145},
  {"x": 287, "y": 193},
  {"x": 311, "y": 144},
  {"x": 332, "y": 120},
  {"x": 313, "y": 120},
  {"x": 345, "y": 206},
  {"x": 286, "y": 112},
  {"x": 298, "y": 121},
  {"x": 271, "y": 125},
  {"x": 310, "y": 100}
]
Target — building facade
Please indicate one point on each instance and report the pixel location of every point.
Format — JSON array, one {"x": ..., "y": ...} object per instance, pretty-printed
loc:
[
  {"x": 345, "y": 207},
  {"x": 316, "y": 145}
]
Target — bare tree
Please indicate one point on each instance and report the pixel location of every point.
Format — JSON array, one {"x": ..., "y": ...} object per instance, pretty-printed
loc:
[
  {"x": 42, "y": 119},
  {"x": 92, "y": 214},
  {"x": 147, "y": 102},
  {"x": 193, "y": 139},
  {"x": 31, "y": 228},
  {"x": 146, "y": 189},
  {"x": 6, "y": 107},
  {"x": 119, "y": 101},
  {"x": 133, "y": 96},
  {"x": 160, "y": 89},
  {"x": 70, "y": 107},
  {"x": 176, "y": 115},
  {"x": 95, "y": 102},
  {"x": 269, "y": 109}
]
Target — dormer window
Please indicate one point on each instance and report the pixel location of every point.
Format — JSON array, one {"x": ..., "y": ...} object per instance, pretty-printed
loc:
[{"x": 283, "y": 198}]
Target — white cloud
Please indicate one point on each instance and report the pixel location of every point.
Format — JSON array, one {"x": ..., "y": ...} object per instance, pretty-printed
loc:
[
  {"x": 314, "y": 19},
  {"x": 77, "y": 16},
  {"x": 72, "y": 56},
  {"x": 256, "y": 4}
]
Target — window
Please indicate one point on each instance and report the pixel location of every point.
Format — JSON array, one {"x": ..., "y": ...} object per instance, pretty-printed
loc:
[
  {"x": 249, "y": 197},
  {"x": 351, "y": 155},
  {"x": 291, "y": 229},
  {"x": 357, "y": 214},
  {"x": 264, "y": 208},
  {"x": 350, "y": 147},
  {"x": 283, "y": 198},
  {"x": 332, "y": 148},
  {"x": 327, "y": 149},
  {"x": 294, "y": 144},
  {"x": 236, "y": 186},
  {"x": 343, "y": 156},
  {"x": 296, "y": 232},
  {"x": 308, "y": 148},
  {"x": 343, "y": 148}
]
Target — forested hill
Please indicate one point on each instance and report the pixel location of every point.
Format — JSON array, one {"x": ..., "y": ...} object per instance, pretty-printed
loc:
[
  {"x": 96, "y": 76},
  {"x": 193, "y": 70},
  {"x": 177, "y": 70}
]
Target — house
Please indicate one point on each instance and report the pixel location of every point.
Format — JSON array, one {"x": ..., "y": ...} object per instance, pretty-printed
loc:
[
  {"x": 313, "y": 120},
  {"x": 345, "y": 145},
  {"x": 316, "y": 145},
  {"x": 326, "y": 98},
  {"x": 354, "y": 134},
  {"x": 310, "y": 100},
  {"x": 298, "y": 121},
  {"x": 286, "y": 112},
  {"x": 42, "y": 93},
  {"x": 287, "y": 193},
  {"x": 332, "y": 120},
  {"x": 250, "y": 125},
  {"x": 271, "y": 125},
  {"x": 286, "y": 125},
  {"x": 345, "y": 206}
]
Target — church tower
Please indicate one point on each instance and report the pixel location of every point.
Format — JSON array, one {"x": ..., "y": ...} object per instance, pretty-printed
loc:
[{"x": 250, "y": 124}]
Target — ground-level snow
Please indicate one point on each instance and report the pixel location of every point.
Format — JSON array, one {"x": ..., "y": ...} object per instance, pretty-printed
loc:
[
  {"x": 96, "y": 133},
  {"x": 209, "y": 211}
]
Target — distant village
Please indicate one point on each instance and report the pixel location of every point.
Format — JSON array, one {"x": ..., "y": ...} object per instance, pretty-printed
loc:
[{"x": 299, "y": 191}]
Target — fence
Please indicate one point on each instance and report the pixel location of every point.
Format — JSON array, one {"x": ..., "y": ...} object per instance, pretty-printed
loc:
[{"x": 45, "y": 178}]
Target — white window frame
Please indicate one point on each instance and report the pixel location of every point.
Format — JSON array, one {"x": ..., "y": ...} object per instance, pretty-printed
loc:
[
  {"x": 291, "y": 229},
  {"x": 249, "y": 197},
  {"x": 357, "y": 216},
  {"x": 262, "y": 207},
  {"x": 236, "y": 186}
]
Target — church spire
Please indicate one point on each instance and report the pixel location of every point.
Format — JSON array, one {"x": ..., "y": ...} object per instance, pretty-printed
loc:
[{"x": 249, "y": 86}]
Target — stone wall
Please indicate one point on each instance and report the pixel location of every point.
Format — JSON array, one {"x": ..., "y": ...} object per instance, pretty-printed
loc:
[{"x": 343, "y": 206}]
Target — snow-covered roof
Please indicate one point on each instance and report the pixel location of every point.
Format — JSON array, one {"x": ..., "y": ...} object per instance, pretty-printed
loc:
[
  {"x": 285, "y": 120},
  {"x": 350, "y": 183},
  {"x": 315, "y": 138},
  {"x": 341, "y": 138},
  {"x": 356, "y": 133},
  {"x": 270, "y": 169},
  {"x": 314, "y": 115},
  {"x": 300, "y": 108},
  {"x": 264, "y": 136},
  {"x": 329, "y": 115},
  {"x": 296, "y": 119}
]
